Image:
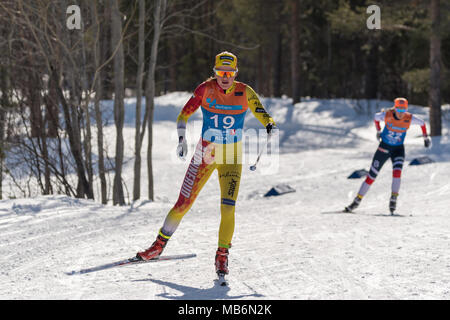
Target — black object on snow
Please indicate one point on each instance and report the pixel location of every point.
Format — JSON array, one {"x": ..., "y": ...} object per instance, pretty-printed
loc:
[
  {"x": 279, "y": 190},
  {"x": 420, "y": 160},
  {"x": 358, "y": 174}
]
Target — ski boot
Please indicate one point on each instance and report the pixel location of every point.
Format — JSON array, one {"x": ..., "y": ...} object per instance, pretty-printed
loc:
[
  {"x": 393, "y": 202},
  {"x": 354, "y": 204},
  {"x": 221, "y": 261},
  {"x": 154, "y": 251}
]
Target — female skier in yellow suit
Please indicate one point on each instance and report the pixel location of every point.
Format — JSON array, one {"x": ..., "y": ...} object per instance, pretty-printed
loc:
[{"x": 224, "y": 103}]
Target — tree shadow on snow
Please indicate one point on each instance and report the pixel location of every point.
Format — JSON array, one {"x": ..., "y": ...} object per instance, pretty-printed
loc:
[{"x": 191, "y": 293}]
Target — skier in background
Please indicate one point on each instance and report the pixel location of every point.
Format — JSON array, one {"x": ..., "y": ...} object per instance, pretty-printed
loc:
[
  {"x": 224, "y": 103},
  {"x": 397, "y": 121}
]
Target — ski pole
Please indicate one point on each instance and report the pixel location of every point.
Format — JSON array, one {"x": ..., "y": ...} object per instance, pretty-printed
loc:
[{"x": 253, "y": 167}]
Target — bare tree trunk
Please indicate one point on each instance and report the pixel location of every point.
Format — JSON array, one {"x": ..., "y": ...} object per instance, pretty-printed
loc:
[
  {"x": 87, "y": 116},
  {"x": 295, "y": 53},
  {"x": 160, "y": 6},
  {"x": 38, "y": 131},
  {"x": 34, "y": 102},
  {"x": 48, "y": 189},
  {"x": 119, "y": 90},
  {"x": 3, "y": 107},
  {"x": 74, "y": 102},
  {"x": 435, "y": 65},
  {"x": 43, "y": 148},
  {"x": 52, "y": 111},
  {"x": 75, "y": 146},
  {"x": 139, "y": 81},
  {"x": 98, "y": 95}
]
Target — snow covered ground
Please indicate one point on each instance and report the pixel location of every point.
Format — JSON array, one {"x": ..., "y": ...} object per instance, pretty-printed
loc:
[{"x": 294, "y": 246}]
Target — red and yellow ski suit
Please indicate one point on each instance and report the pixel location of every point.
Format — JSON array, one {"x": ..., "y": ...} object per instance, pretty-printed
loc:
[{"x": 220, "y": 148}]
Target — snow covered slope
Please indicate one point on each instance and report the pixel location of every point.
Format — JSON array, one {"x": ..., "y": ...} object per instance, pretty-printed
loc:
[{"x": 294, "y": 246}]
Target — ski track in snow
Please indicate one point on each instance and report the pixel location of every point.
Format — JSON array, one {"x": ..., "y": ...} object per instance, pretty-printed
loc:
[{"x": 294, "y": 246}]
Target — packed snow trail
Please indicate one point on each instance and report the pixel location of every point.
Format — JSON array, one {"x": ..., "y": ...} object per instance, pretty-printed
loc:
[{"x": 286, "y": 247}]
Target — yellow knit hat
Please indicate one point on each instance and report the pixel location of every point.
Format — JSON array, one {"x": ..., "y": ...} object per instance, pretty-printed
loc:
[{"x": 226, "y": 59}]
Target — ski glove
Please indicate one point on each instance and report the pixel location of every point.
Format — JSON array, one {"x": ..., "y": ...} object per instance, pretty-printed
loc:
[
  {"x": 378, "y": 135},
  {"x": 182, "y": 148},
  {"x": 427, "y": 142}
]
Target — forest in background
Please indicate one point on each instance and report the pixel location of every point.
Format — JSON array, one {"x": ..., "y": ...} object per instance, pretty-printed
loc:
[{"x": 52, "y": 77}]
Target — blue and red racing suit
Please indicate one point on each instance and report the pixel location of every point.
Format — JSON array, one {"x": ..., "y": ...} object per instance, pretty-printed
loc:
[{"x": 391, "y": 146}]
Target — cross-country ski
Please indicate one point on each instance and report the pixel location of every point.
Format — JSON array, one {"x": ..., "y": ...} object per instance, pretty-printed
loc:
[{"x": 130, "y": 261}]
